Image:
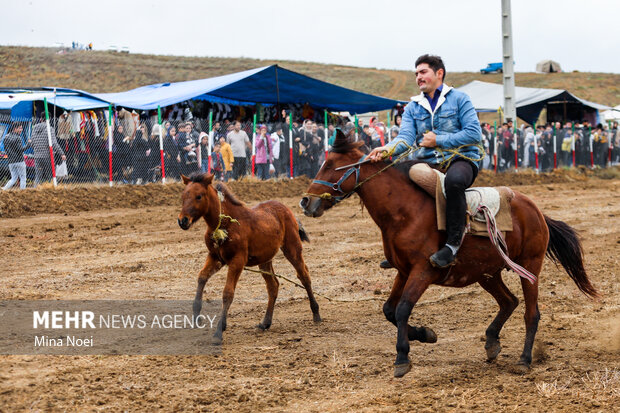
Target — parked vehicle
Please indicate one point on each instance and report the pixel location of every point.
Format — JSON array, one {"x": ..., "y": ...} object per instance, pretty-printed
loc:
[{"x": 493, "y": 68}]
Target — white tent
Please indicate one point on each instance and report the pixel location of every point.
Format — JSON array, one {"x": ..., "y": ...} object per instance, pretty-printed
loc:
[
  {"x": 611, "y": 115},
  {"x": 548, "y": 66},
  {"x": 489, "y": 97}
]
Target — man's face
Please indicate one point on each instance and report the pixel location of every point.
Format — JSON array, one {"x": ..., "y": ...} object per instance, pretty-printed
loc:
[
  {"x": 427, "y": 79},
  {"x": 237, "y": 127}
]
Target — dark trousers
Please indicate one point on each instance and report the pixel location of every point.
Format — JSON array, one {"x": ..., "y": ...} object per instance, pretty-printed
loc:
[
  {"x": 238, "y": 168},
  {"x": 460, "y": 176}
]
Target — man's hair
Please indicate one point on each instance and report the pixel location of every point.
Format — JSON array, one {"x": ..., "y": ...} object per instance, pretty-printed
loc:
[{"x": 434, "y": 62}]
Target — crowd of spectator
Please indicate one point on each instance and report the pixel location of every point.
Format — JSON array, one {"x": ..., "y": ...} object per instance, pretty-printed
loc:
[{"x": 82, "y": 151}]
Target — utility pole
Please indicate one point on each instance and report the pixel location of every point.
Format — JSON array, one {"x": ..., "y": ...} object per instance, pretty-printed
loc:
[{"x": 510, "y": 110}]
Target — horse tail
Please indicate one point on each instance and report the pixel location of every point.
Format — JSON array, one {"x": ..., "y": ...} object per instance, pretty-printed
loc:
[
  {"x": 565, "y": 248},
  {"x": 302, "y": 232}
]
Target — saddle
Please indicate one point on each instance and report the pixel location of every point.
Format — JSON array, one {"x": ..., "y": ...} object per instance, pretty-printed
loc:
[{"x": 495, "y": 199}]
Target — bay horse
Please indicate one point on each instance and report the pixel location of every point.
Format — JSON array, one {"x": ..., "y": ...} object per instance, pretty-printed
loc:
[
  {"x": 250, "y": 237},
  {"x": 406, "y": 215}
]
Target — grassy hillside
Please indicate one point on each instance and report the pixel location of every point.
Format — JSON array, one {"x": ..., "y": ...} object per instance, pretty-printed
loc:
[{"x": 99, "y": 71}]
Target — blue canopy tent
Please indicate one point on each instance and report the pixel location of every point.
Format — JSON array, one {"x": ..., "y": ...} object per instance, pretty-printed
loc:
[
  {"x": 270, "y": 85},
  {"x": 19, "y": 102}
]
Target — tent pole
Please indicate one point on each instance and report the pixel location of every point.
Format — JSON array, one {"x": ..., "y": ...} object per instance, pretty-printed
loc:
[
  {"x": 326, "y": 135},
  {"x": 290, "y": 141},
  {"x": 254, "y": 143},
  {"x": 110, "y": 145},
  {"x": 210, "y": 143}
]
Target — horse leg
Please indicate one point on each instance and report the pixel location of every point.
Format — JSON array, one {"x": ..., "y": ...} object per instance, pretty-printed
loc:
[
  {"x": 417, "y": 282},
  {"x": 507, "y": 303},
  {"x": 272, "y": 290},
  {"x": 211, "y": 267},
  {"x": 292, "y": 252},
  {"x": 532, "y": 315},
  {"x": 234, "y": 271},
  {"x": 422, "y": 334}
]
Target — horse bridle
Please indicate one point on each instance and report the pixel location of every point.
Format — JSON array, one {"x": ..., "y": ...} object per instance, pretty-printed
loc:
[{"x": 337, "y": 186}]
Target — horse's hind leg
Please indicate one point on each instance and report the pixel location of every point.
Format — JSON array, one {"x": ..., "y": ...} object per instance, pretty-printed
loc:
[
  {"x": 211, "y": 267},
  {"x": 532, "y": 315},
  {"x": 292, "y": 252},
  {"x": 272, "y": 290},
  {"x": 507, "y": 303}
]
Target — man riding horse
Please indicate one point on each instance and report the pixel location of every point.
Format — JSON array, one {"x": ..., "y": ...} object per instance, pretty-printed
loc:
[{"x": 441, "y": 121}]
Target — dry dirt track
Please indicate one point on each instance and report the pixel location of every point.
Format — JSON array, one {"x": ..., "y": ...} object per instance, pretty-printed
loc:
[{"x": 342, "y": 364}]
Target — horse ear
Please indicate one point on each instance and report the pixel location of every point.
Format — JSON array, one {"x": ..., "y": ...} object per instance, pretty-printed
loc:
[
  {"x": 207, "y": 179},
  {"x": 340, "y": 136},
  {"x": 185, "y": 179}
]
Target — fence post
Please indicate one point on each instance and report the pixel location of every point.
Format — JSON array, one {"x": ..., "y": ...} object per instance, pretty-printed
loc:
[
  {"x": 555, "y": 150},
  {"x": 110, "y": 145},
  {"x": 495, "y": 147},
  {"x": 210, "y": 143},
  {"x": 572, "y": 144},
  {"x": 591, "y": 147},
  {"x": 610, "y": 138},
  {"x": 290, "y": 142},
  {"x": 254, "y": 144},
  {"x": 356, "y": 137},
  {"x": 161, "y": 146},
  {"x": 49, "y": 141},
  {"x": 326, "y": 135},
  {"x": 536, "y": 148}
]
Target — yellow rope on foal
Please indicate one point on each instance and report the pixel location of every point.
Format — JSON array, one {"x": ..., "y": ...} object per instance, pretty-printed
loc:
[{"x": 220, "y": 235}]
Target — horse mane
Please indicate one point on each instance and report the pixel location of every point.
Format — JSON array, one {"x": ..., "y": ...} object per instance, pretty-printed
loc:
[
  {"x": 344, "y": 145},
  {"x": 228, "y": 194},
  {"x": 199, "y": 177}
]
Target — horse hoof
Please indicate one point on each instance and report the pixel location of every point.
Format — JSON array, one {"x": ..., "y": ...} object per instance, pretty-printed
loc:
[
  {"x": 493, "y": 350},
  {"x": 429, "y": 335},
  {"x": 217, "y": 340},
  {"x": 262, "y": 326},
  {"x": 317, "y": 318},
  {"x": 522, "y": 367},
  {"x": 401, "y": 369}
]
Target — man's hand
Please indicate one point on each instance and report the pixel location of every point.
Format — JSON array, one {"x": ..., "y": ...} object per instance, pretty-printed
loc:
[
  {"x": 377, "y": 154},
  {"x": 429, "y": 140}
]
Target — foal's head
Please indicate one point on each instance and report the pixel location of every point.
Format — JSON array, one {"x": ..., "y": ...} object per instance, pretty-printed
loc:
[
  {"x": 195, "y": 200},
  {"x": 321, "y": 196}
]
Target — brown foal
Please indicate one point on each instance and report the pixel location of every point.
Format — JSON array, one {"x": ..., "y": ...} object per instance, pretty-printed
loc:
[{"x": 252, "y": 237}]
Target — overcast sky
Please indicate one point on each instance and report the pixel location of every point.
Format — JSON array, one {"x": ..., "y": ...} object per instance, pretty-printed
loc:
[{"x": 581, "y": 35}]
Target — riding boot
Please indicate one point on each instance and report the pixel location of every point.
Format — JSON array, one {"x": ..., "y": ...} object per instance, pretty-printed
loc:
[
  {"x": 385, "y": 264},
  {"x": 456, "y": 210}
]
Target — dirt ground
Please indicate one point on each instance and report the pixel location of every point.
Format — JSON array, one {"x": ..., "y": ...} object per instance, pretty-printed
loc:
[{"x": 103, "y": 243}]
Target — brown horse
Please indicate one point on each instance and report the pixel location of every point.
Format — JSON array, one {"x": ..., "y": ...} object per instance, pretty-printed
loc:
[
  {"x": 406, "y": 216},
  {"x": 252, "y": 236}
]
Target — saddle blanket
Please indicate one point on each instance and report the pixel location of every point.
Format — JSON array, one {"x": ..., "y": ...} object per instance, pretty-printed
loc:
[{"x": 496, "y": 199}]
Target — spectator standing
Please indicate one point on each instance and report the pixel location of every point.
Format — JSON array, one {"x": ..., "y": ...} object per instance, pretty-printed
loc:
[
  {"x": 228, "y": 158},
  {"x": 15, "y": 156},
  {"x": 204, "y": 152},
  {"x": 40, "y": 144},
  {"x": 238, "y": 140},
  {"x": 172, "y": 158},
  {"x": 217, "y": 162},
  {"x": 264, "y": 153},
  {"x": 139, "y": 153}
]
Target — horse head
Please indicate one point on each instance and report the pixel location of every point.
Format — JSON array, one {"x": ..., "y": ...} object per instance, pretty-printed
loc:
[
  {"x": 196, "y": 202},
  {"x": 331, "y": 184}
]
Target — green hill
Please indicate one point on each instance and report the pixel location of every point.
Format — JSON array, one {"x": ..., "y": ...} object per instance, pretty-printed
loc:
[{"x": 100, "y": 71}]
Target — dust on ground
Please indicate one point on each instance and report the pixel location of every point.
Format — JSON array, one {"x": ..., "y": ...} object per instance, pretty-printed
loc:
[{"x": 130, "y": 247}]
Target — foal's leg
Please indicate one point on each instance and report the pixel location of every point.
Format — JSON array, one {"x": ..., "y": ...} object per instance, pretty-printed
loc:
[
  {"x": 234, "y": 271},
  {"x": 272, "y": 290},
  {"x": 292, "y": 252},
  {"x": 507, "y": 303},
  {"x": 422, "y": 334},
  {"x": 211, "y": 267},
  {"x": 419, "y": 279}
]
